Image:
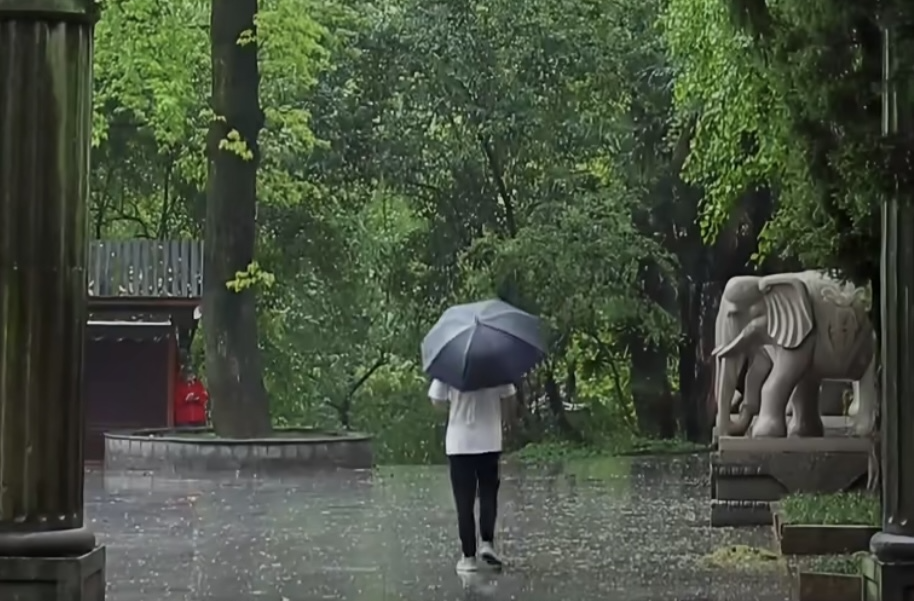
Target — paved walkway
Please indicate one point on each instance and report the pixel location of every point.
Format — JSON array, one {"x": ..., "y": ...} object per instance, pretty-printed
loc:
[{"x": 613, "y": 530}]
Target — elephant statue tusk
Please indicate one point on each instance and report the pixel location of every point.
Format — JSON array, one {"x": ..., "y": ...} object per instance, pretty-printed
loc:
[
  {"x": 748, "y": 336},
  {"x": 737, "y": 399}
]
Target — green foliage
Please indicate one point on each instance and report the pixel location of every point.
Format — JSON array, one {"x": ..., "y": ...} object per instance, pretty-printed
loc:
[
  {"x": 234, "y": 144},
  {"x": 250, "y": 277},
  {"x": 719, "y": 81},
  {"x": 786, "y": 98},
  {"x": 151, "y": 111},
  {"x": 408, "y": 429},
  {"x": 414, "y": 155},
  {"x": 836, "y": 509}
]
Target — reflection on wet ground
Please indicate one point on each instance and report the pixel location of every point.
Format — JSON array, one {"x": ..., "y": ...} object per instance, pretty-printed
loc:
[{"x": 619, "y": 529}]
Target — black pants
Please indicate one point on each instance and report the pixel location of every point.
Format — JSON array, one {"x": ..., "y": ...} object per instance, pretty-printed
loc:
[{"x": 469, "y": 474}]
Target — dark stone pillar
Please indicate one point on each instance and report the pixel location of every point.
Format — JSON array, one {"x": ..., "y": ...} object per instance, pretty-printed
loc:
[
  {"x": 890, "y": 574},
  {"x": 46, "y": 552}
]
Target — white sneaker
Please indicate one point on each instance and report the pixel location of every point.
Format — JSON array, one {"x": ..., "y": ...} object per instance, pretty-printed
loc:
[
  {"x": 467, "y": 564},
  {"x": 489, "y": 556}
]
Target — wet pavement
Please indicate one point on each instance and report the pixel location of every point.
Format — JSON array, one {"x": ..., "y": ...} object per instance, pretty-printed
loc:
[{"x": 620, "y": 529}]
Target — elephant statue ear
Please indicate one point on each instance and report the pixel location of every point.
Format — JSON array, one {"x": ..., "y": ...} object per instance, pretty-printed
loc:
[{"x": 788, "y": 310}]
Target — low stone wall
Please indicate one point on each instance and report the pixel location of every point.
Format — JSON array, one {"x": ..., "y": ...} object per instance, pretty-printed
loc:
[{"x": 192, "y": 451}]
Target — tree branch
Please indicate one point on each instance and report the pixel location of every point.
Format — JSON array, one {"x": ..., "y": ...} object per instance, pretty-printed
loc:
[
  {"x": 344, "y": 408},
  {"x": 378, "y": 364},
  {"x": 607, "y": 353},
  {"x": 498, "y": 176}
]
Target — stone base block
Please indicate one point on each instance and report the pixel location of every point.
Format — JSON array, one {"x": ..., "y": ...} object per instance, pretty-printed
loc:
[
  {"x": 740, "y": 513},
  {"x": 53, "y": 578},
  {"x": 749, "y": 473},
  {"x": 887, "y": 581}
]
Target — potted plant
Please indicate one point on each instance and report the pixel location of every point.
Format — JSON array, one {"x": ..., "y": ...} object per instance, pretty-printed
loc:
[
  {"x": 825, "y": 524},
  {"x": 831, "y": 578}
]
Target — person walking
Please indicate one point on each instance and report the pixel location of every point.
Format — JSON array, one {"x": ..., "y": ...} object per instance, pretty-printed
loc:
[
  {"x": 473, "y": 445},
  {"x": 479, "y": 347}
]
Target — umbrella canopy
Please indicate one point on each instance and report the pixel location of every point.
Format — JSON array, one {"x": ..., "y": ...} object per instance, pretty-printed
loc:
[{"x": 483, "y": 345}]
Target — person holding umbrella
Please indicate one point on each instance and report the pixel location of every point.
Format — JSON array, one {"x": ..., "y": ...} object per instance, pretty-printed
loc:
[{"x": 474, "y": 353}]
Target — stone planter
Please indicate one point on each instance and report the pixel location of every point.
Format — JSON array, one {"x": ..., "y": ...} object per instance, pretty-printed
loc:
[
  {"x": 820, "y": 539},
  {"x": 819, "y": 586},
  {"x": 195, "y": 450}
]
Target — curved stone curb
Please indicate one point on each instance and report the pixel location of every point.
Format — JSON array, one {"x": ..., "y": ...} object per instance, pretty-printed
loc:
[{"x": 174, "y": 451}]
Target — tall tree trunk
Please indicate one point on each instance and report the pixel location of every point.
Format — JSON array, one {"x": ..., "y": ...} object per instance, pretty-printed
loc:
[
  {"x": 557, "y": 408},
  {"x": 691, "y": 401},
  {"x": 651, "y": 393},
  {"x": 710, "y": 303},
  {"x": 233, "y": 363}
]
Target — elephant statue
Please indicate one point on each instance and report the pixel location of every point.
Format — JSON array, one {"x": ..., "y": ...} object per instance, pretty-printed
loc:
[{"x": 795, "y": 329}]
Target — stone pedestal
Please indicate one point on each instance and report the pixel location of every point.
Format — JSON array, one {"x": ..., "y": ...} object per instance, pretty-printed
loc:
[
  {"x": 46, "y": 553},
  {"x": 748, "y": 474},
  {"x": 53, "y": 579},
  {"x": 889, "y": 578}
]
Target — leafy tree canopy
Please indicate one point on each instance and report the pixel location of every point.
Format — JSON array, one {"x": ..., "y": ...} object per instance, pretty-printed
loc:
[{"x": 787, "y": 98}]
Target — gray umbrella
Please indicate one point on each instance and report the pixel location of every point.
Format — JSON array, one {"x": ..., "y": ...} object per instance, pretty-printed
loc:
[{"x": 483, "y": 345}]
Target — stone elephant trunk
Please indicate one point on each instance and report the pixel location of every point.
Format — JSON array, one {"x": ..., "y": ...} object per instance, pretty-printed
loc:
[
  {"x": 725, "y": 382},
  {"x": 731, "y": 365}
]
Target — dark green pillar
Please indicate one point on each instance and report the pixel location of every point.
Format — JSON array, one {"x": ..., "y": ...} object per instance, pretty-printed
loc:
[
  {"x": 46, "y": 552},
  {"x": 890, "y": 575}
]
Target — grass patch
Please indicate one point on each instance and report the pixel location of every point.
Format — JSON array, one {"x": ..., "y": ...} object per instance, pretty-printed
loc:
[
  {"x": 562, "y": 451},
  {"x": 836, "y": 564},
  {"x": 662, "y": 446},
  {"x": 853, "y": 508},
  {"x": 744, "y": 558},
  {"x": 554, "y": 452}
]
